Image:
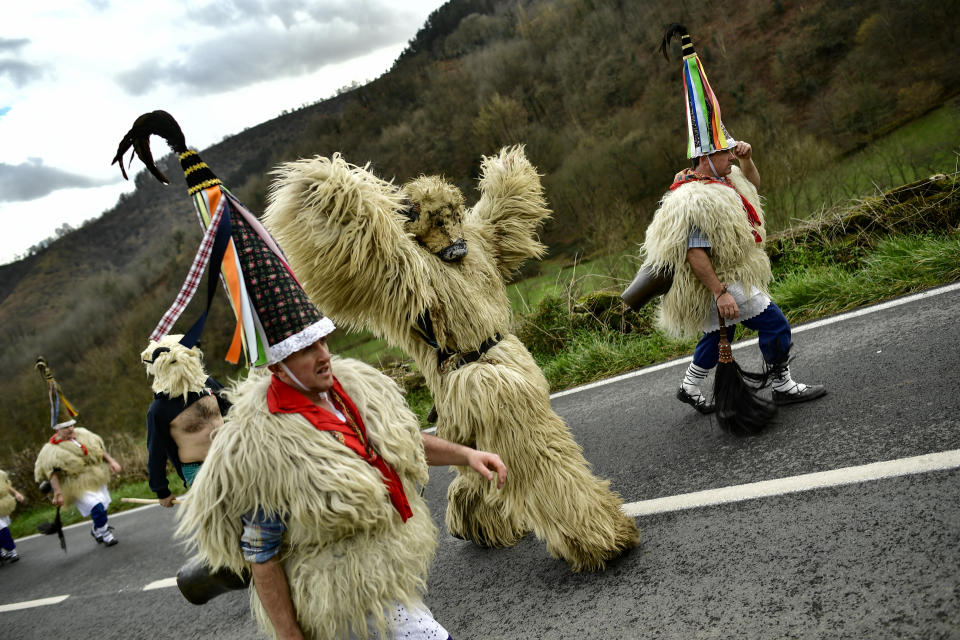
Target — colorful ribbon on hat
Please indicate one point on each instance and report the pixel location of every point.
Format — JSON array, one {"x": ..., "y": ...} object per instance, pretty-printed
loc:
[
  {"x": 55, "y": 393},
  {"x": 705, "y": 130},
  {"x": 217, "y": 248}
]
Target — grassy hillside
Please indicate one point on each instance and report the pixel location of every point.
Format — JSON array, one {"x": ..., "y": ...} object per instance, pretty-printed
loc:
[{"x": 826, "y": 91}]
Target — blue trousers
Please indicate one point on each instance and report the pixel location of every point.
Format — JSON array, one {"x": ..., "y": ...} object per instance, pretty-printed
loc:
[
  {"x": 772, "y": 329},
  {"x": 6, "y": 540},
  {"x": 99, "y": 515}
]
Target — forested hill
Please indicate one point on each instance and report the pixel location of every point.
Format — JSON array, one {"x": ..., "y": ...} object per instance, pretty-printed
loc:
[{"x": 579, "y": 82}]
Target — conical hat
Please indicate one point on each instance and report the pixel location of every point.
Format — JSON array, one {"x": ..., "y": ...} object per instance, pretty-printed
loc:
[
  {"x": 58, "y": 401},
  {"x": 275, "y": 318},
  {"x": 705, "y": 131}
]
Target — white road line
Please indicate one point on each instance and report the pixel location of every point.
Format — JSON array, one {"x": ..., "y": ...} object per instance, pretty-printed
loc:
[
  {"x": 29, "y": 604},
  {"x": 752, "y": 341},
  {"x": 849, "y": 475},
  {"x": 161, "y": 584},
  {"x": 795, "y": 330}
]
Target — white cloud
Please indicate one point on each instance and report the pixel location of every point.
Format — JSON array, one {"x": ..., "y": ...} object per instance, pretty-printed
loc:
[
  {"x": 74, "y": 76},
  {"x": 31, "y": 180}
]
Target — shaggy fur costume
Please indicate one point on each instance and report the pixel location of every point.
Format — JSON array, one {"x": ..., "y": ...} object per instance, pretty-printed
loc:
[
  {"x": 736, "y": 255},
  {"x": 348, "y": 239},
  {"x": 7, "y": 502},
  {"x": 176, "y": 372},
  {"x": 78, "y": 473},
  {"x": 346, "y": 552}
]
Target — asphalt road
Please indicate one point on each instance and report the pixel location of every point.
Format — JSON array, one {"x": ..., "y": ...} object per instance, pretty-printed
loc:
[{"x": 855, "y": 559}]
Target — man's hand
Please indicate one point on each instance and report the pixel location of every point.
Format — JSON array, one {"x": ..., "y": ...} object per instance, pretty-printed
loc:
[
  {"x": 488, "y": 464},
  {"x": 57, "y": 499},
  {"x": 19, "y": 496},
  {"x": 115, "y": 466},
  {"x": 742, "y": 150},
  {"x": 727, "y": 306},
  {"x": 167, "y": 502}
]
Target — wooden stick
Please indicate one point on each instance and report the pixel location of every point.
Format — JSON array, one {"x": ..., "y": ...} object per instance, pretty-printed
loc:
[{"x": 149, "y": 500}]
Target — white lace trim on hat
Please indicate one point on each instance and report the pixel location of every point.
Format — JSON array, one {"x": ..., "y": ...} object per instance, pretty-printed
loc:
[
  {"x": 300, "y": 340},
  {"x": 64, "y": 425}
]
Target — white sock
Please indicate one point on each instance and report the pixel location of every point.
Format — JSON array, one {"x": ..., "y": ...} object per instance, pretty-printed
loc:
[
  {"x": 786, "y": 384},
  {"x": 693, "y": 378}
]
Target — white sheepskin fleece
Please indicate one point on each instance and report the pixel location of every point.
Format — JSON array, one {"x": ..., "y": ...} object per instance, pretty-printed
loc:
[
  {"x": 718, "y": 212},
  {"x": 78, "y": 473},
  {"x": 343, "y": 230},
  {"x": 346, "y": 551},
  {"x": 176, "y": 372},
  {"x": 7, "y": 502}
]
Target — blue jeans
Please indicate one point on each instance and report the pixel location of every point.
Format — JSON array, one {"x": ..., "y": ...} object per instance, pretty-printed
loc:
[
  {"x": 190, "y": 470},
  {"x": 773, "y": 332}
]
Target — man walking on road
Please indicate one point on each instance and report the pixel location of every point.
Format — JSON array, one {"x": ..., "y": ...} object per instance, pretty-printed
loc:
[{"x": 709, "y": 232}]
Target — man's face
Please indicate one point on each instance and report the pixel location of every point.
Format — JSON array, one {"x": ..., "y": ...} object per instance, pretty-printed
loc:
[
  {"x": 65, "y": 433},
  {"x": 722, "y": 162},
  {"x": 311, "y": 366}
]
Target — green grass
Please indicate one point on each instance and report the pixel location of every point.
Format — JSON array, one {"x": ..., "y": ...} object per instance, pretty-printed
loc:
[
  {"x": 898, "y": 265},
  {"x": 922, "y": 147},
  {"x": 25, "y": 519},
  {"x": 594, "y": 356}
]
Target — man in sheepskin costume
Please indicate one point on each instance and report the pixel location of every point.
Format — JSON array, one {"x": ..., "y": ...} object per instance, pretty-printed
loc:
[
  {"x": 187, "y": 406},
  {"x": 709, "y": 232},
  {"x": 414, "y": 267},
  {"x": 312, "y": 482},
  {"x": 76, "y": 464},
  {"x": 9, "y": 497}
]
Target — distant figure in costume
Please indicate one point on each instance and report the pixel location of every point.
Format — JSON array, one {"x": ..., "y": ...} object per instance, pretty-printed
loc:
[
  {"x": 187, "y": 406},
  {"x": 709, "y": 231},
  {"x": 413, "y": 266},
  {"x": 76, "y": 464},
  {"x": 313, "y": 480},
  {"x": 9, "y": 497}
]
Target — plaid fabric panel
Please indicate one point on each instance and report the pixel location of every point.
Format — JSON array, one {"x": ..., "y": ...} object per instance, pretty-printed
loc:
[
  {"x": 697, "y": 239},
  {"x": 194, "y": 275},
  {"x": 281, "y": 305},
  {"x": 262, "y": 536}
]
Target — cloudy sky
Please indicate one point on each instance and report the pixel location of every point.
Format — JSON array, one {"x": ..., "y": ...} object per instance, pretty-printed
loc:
[{"x": 74, "y": 74}]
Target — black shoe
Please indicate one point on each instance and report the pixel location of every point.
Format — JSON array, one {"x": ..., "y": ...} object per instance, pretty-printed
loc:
[
  {"x": 697, "y": 402},
  {"x": 812, "y": 392}
]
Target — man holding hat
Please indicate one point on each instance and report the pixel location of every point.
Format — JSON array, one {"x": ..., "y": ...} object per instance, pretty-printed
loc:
[
  {"x": 709, "y": 232},
  {"x": 313, "y": 482},
  {"x": 76, "y": 464}
]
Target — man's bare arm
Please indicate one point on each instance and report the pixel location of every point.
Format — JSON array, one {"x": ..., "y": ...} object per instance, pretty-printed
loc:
[
  {"x": 744, "y": 153},
  {"x": 57, "y": 498},
  {"x": 274, "y": 592},
  {"x": 702, "y": 267},
  {"x": 440, "y": 452}
]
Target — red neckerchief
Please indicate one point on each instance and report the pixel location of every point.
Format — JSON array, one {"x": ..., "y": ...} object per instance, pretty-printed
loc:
[
  {"x": 282, "y": 398},
  {"x": 55, "y": 440},
  {"x": 689, "y": 175}
]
